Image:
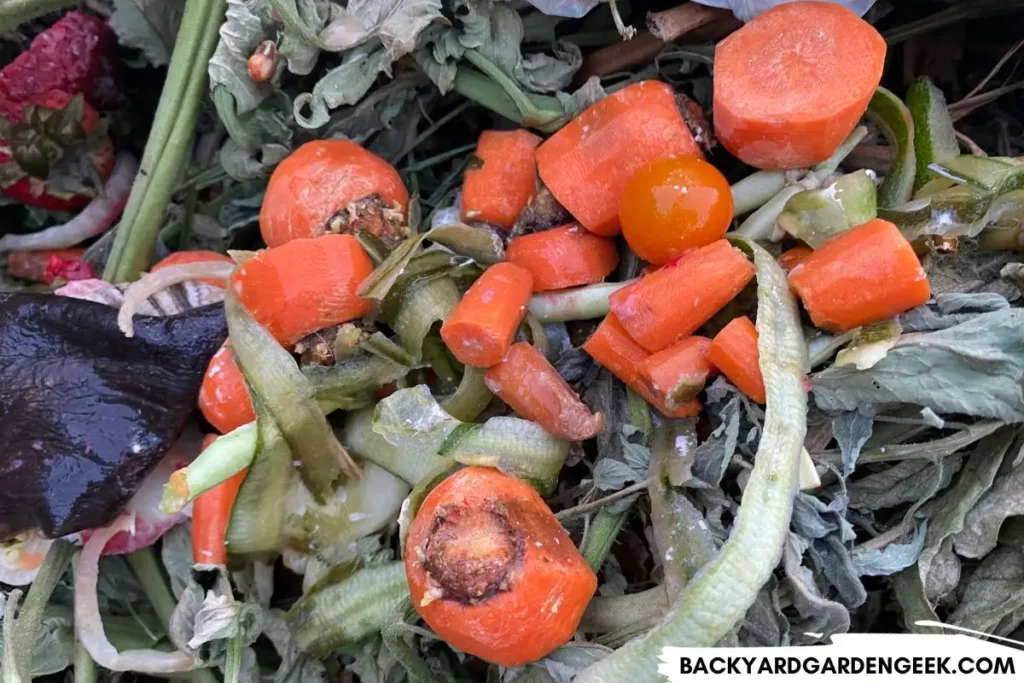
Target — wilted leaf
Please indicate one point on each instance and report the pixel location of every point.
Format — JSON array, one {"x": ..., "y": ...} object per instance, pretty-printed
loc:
[
  {"x": 981, "y": 525},
  {"x": 949, "y": 309},
  {"x": 890, "y": 559},
  {"x": 713, "y": 456},
  {"x": 764, "y": 624},
  {"x": 176, "y": 556},
  {"x": 397, "y": 23},
  {"x": 852, "y": 429},
  {"x": 910, "y": 595},
  {"x": 820, "y": 617},
  {"x": 611, "y": 475},
  {"x": 910, "y": 481},
  {"x": 295, "y": 665},
  {"x": 149, "y": 25},
  {"x": 245, "y": 27},
  {"x": 345, "y": 84},
  {"x": 974, "y": 368},
  {"x": 412, "y": 419},
  {"x": 813, "y": 519},
  {"x": 993, "y": 591},
  {"x": 832, "y": 560}
]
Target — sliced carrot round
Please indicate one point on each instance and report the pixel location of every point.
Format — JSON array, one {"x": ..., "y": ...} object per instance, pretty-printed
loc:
[
  {"x": 504, "y": 178},
  {"x": 861, "y": 277},
  {"x": 792, "y": 84},
  {"x": 492, "y": 571},
  {"x": 563, "y": 257},
  {"x": 587, "y": 163},
  {"x": 734, "y": 352},
  {"x": 317, "y": 181},
  {"x": 180, "y": 258},
  {"x": 223, "y": 397}
]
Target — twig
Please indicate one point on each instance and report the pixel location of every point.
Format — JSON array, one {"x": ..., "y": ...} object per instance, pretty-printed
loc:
[
  {"x": 971, "y": 144},
  {"x": 601, "y": 502},
  {"x": 955, "y": 14},
  {"x": 967, "y": 105},
  {"x": 884, "y": 539},
  {"x": 433, "y": 128},
  {"x": 999, "y": 65},
  {"x": 674, "y": 23}
]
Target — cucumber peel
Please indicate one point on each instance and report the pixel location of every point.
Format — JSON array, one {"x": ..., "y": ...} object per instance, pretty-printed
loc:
[{"x": 934, "y": 137}]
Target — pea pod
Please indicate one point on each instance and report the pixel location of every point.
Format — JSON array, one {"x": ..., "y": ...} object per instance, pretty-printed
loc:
[{"x": 718, "y": 596}]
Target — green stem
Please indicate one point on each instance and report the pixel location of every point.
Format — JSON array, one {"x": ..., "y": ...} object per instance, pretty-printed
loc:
[
  {"x": 601, "y": 535},
  {"x": 581, "y": 303},
  {"x": 167, "y": 146},
  {"x": 752, "y": 192},
  {"x": 613, "y": 613},
  {"x": 15, "y": 12},
  {"x": 85, "y": 668},
  {"x": 532, "y": 115},
  {"x": 429, "y": 162},
  {"x": 433, "y": 128},
  {"x": 57, "y": 560}
]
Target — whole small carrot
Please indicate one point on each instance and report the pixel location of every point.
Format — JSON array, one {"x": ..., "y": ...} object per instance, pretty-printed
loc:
[
  {"x": 223, "y": 397},
  {"x": 304, "y": 285},
  {"x": 672, "y": 302},
  {"x": 531, "y": 386},
  {"x": 587, "y": 164},
  {"x": 500, "y": 186},
  {"x": 320, "y": 180},
  {"x": 734, "y": 352},
  {"x": 792, "y": 83},
  {"x": 677, "y": 374},
  {"x": 860, "y": 277},
  {"x": 492, "y": 571},
  {"x": 563, "y": 257},
  {"x": 480, "y": 330},
  {"x": 791, "y": 258},
  {"x": 197, "y": 256},
  {"x": 31, "y": 265},
  {"x": 613, "y": 349},
  {"x": 211, "y": 512}
]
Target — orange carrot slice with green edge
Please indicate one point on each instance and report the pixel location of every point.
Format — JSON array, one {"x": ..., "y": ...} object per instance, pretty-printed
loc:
[
  {"x": 587, "y": 164},
  {"x": 734, "y": 352},
  {"x": 504, "y": 179},
  {"x": 792, "y": 83},
  {"x": 563, "y": 257},
  {"x": 861, "y": 277}
]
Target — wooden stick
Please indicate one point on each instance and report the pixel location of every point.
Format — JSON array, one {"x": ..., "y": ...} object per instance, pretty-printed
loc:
[{"x": 674, "y": 23}]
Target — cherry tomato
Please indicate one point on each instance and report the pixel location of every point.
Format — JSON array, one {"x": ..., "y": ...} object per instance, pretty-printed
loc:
[{"x": 672, "y": 205}]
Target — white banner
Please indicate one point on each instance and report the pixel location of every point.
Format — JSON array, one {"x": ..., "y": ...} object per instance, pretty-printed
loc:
[{"x": 906, "y": 657}]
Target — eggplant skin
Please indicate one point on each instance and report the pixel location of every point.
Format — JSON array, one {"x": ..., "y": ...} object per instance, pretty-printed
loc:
[{"x": 85, "y": 412}]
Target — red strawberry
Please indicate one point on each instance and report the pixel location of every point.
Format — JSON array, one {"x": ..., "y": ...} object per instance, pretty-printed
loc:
[{"x": 78, "y": 54}]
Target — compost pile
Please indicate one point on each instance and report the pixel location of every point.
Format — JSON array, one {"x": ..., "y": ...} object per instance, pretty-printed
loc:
[{"x": 468, "y": 340}]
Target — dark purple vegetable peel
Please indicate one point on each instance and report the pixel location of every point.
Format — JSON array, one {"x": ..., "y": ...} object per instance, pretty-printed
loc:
[{"x": 86, "y": 412}]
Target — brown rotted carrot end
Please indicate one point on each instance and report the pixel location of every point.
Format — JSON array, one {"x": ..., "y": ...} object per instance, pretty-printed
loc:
[{"x": 373, "y": 215}]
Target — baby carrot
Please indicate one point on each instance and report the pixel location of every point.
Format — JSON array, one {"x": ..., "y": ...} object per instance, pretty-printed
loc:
[
  {"x": 480, "y": 329},
  {"x": 791, "y": 258},
  {"x": 492, "y": 571},
  {"x": 563, "y": 257},
  {"x": 587, "y": 164},
  {"x": 319, "y": 180},
  {"x": 861, "y": 277},
  {"x": 504, "y": 180},
  {"x": 734, "y": 352},
  {"x": 198, "y": 256},
  {"x": 31, "y": 265},
  {"x": 211, "y": 512},
  {"x": 531, "y": 386},
  {"x": 677, "y": 374},
  {"x": 223, "y": 397},
  {"x": 793, "y": 83},
  {"x": 304, "y": 285},
  {"x": 613, "y": 349},
  {"x": 669, "y": 304}
]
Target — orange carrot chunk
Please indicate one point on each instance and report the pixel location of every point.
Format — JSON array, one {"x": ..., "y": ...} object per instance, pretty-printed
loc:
[
  {"x": 861, "y": 277},
  {"x": 223, "y": 397},
  {"x": 492, "y": 571},
  {"x": 304, "y": 285},
  {"x": 180, "y": 258},
  {"x": 211, "y": 512},
  {"x": 791, "y": 258},
  {"x": 480, "y": 330},
  {"x": 31, "y": 265},
  {"x": 588, "y": 163},
  {"x": 531, "y": 386},
  {"x": 673, "y": 301},
  {"x": 563, "y": 257},
  {"x": 319, "y": 180},
  {"x": 677, "y": 374},
  {"x": 734, "y": 352},
  {"x": 505, "y": 179},
  {"x": 793, "y": 83},
  {"x": 612, "y": 348}
]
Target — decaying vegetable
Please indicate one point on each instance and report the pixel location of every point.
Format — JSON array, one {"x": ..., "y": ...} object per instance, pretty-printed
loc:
[
  {"x": 504, "y": 179},
  {"x": 677, "y": 374},
  {"x": 492, "y": 571}
]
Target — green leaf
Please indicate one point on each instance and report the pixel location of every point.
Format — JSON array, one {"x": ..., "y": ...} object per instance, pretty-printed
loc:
[
  {"x": 397, "y": 23},
  {"x": 247, "y": 25},
  {"x": 890, "y": 559},
  {"x": 1004, "y": 499},
  {"x": 992, "y": 592},
  {"x": 148, "y": 25},
  {"x": 345, "y": 84}
]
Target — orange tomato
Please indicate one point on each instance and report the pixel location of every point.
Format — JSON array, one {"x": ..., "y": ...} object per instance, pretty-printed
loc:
[{"x": 672, "y": 205}]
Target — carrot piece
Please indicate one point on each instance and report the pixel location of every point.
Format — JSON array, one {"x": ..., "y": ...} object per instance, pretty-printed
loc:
[
  {"x": 588, "y": 163},
  {"x": 861, "y": 277},
  {"x": 319, "y": 180},
  {"x": 673, "y": 301},
  {"x": 678, "y": 373},
  {"x": 793, "y": 83},
  {"x": 734, "y": 352},
  {"x": 31, "y": 265},
  {"x": 211, "y": 512},
  {"x": 791, "y": 258},
  {"x": 223, "y": 397},
  {"x": 563, "y": 257},
  {"x": 480, "y": 330},
  {"x": 304, "y": 285},
  {"x": 179, "y": 258},
  {"x": 612, "y": 348},
  {"x": 501, "y": 186},
  {"x": 531, "y": 386},
  {"x": 492, "y": 571}
]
